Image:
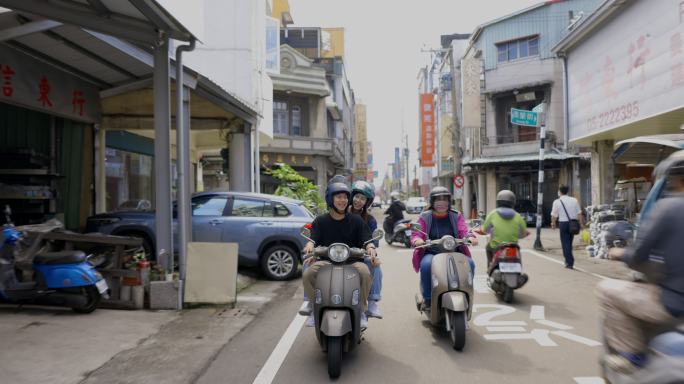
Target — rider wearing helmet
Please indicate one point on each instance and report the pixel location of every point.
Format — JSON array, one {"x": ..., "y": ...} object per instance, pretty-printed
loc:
[
  {"x": 437, "y": 221},
  {"x": 337, "y": 226},
  {"x": 504, "y": 224},
  {"x": 394, "y": 212},
  {"x": 363, "y": 194}
]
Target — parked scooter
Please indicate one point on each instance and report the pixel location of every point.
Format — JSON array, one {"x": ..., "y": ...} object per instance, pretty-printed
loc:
[
  {"x": 60, "y": 278},
  {"x": 337, "y": 300},
  {"x": 505, "y": 271},
  {"x": 401, "y": 233},
  {"x": 452, "y": 288}
]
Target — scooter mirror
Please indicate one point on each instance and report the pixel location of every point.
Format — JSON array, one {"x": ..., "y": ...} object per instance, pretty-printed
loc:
[
  {"x": 378, "y": 234},
  {"x": 417, "y": 227},
  {"x": 305, "y": 232}
]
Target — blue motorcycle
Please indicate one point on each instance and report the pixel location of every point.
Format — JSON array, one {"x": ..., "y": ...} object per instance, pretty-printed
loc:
[{"x": 60, "y": 278}]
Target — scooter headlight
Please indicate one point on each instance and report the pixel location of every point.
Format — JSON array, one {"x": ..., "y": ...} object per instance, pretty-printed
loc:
[
  {"x": 338, "y": 253},
  {"x": 449, "y": 243}
]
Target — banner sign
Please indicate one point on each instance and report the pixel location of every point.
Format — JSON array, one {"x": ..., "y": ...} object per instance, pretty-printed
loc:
[
  {"x": 427, "y": 130},
  {"x": 33, "y": 84}
]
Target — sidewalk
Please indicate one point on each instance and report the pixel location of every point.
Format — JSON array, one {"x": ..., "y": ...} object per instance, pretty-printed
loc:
[
  {"x": 56, "y": 345},
  {"x": 551, "y": 241}
]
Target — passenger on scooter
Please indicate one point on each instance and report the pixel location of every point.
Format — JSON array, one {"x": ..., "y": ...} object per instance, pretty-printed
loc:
[
  {"x": 337, "y": 226},
  {"x": 437, "y": 221},
  {"x": 630, "y": 307},
  {"x": 363, "y": 194},
  {"x": 504, "y": 224},
  {"x": 395, "y": 212}
]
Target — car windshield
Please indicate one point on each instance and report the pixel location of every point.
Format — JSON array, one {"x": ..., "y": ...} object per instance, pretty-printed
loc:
[
  {"x": 416, "y": 200},
  {"x": 311, "y": 215}
]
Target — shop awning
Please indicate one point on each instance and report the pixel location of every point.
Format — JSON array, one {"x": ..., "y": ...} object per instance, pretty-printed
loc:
[
  {"x": 116, "y": 68},
  {"x": 531, "y": 157},
  {"x": 648, "y": 150},
  {"x": 134, "y": 20}
]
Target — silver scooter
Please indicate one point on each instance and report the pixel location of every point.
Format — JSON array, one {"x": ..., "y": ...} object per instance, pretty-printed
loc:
[
  {"x": 337, "y": 300},
  {"x": 452, "y": 288}
]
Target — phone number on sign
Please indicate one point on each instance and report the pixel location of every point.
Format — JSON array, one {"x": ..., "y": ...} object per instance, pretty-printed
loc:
[{"x": 614, "y": 116}]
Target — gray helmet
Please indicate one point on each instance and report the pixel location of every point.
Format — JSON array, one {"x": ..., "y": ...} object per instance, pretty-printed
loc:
[
  {"x": 505, "y": 198},
  {"x": 394, "y": 195},
  {"x": 439, "y": 191}
]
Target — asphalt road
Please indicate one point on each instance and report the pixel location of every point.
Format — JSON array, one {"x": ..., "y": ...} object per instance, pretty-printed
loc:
[{"x": 548, "y": 334}]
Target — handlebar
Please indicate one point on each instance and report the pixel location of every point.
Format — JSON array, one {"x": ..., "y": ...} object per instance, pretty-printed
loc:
[{"x": 440, "y": 242}]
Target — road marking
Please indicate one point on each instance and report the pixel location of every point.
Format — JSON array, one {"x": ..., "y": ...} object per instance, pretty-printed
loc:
[
  {"x": 270, "y": 369},
  {"x": 480, "y": 284},
  {"x": 405, "y": 250},
  {"x": 537, "y": 312},
  {"x": 505, "y": 329},
  {"x": 551, "y": 259},
  {"x": 578, "y": 339},
  {"x": 589, "y": 380},
  {"x": 553, "y": 324}
]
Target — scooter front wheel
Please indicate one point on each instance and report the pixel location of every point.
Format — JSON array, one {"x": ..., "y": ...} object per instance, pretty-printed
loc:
[
  {"x": 388, "y": 238},
  {"x": 334, "y": 356},
  {"x": 457, "y": 332},
  {"x": 92, "y": 299}
]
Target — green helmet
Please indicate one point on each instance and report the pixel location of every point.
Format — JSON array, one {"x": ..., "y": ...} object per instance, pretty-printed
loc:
[{"x": 366, "y": 189}]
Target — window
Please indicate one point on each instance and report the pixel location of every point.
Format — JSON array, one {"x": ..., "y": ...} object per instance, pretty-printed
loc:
[
  {"x": 280, "y": 210},
  {"x": 209, "y": 205},
  {"x": 129, "y": 176},
  {"x": 289, "y": 117},
  {"x": 281, "y": 124},
  {"x": 517, "y": 49},
  {"x": 248, "y": 208},
  {"x": 296, "y": 121}
]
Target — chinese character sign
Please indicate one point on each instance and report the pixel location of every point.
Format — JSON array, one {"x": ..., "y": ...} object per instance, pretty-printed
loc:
[{"x": 427, "y": 130}]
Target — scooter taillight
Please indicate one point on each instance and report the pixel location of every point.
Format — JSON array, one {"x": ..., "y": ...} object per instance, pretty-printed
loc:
[
  {"x": 408, "y": 226},
  {"x": 511, "y": 253}
]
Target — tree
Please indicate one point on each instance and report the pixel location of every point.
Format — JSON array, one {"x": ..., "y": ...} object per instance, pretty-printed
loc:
[{"x": 296, "y": 186}]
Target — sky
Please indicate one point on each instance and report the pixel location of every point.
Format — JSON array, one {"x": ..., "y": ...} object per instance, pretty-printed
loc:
[{"x": 384, "y": 40}]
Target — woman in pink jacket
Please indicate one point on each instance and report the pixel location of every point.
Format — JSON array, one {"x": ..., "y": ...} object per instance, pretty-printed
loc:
[{"x": 437, "y": 221}]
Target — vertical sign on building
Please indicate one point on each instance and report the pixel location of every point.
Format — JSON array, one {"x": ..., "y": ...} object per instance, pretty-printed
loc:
[
  {"x": 397, "y": 163},
  {"x": 427, "y": 130}
]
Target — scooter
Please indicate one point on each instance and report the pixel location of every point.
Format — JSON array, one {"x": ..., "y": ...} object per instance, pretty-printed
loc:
[
  {"x": 401, "y": 233},
  {"x": 337, "y": 300},
  {"x": 452, "y": 289},
  {"x": 60, "y": 278},
  {"x": 505, "y": 271}
]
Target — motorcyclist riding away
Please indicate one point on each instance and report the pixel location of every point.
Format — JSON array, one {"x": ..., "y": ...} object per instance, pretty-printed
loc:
[
  {"x": 337, "y": 226},
  {"x": 437, "y": 221},
  {"x": 504, "y": 224},
  {"x": 363, "y": 194}
]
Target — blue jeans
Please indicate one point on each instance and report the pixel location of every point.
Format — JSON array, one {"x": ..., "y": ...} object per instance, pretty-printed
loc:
[
  {"x": 376, "y": 287},
  {"x": 566, "y": 241},
  {"x": 426, "y": 274}
]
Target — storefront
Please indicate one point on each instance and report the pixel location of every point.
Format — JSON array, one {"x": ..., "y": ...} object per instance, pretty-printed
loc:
[
  {"x": 46, "y": 140},
  {"x": 625, "y": 69}
]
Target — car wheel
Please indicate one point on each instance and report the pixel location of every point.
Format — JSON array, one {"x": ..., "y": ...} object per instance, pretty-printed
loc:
[
  {"x": 146, "y": 244},
  {"x": 279, "y": 262}
]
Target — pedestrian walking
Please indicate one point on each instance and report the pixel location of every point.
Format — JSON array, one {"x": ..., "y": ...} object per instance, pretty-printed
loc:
[{"x": 566, "y": 215}]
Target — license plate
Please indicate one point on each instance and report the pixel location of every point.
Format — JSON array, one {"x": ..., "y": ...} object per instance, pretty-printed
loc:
[
  {"x": 510, "y": 267},
  {"x": 102, "y": 286}
]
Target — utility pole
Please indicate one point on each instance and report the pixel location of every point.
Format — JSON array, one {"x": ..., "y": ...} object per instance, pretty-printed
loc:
[
  {"x": 456, "y": 128},
  {"x": 406, "y": 155},
  {"x": 540, "y": 189}
]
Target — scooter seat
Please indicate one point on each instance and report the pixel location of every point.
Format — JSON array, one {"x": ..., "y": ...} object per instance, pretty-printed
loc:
[{"x": 64, "y": 257}]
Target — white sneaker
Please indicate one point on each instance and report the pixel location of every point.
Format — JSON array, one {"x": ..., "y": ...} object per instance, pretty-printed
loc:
[
  {"x": 364, "y": 321},
  {"x": 310, "y": 321},
  {"x": 305, "y": 309},
  {"x": 374, "y": 309}
]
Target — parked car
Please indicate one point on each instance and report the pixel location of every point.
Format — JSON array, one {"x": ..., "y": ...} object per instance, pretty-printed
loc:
[
  {"x": 416, "y": 205},
  {"x": 528, "y": 210},
  {"x": 266, "y": 228},
  {"x": 377, "y": 203}
]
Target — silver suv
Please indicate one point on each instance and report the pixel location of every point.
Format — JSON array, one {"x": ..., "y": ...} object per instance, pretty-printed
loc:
[{"x": 266, "y": 228}]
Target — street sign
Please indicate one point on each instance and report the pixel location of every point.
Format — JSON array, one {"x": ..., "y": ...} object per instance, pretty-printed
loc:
[
  {"x": 523, "y": 117},
  {"x": 459, "y": 181}
]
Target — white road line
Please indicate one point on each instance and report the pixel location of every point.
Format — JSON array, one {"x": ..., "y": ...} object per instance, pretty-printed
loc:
[
  {"x": 537, "y": 312},
  {"x": 551, "y": 259},
  {"x": 553, "y": 324},
  {"x": 270, "y": 369},
  {"x": 579, "y": 339},
  {"x": 506, "y": 329},
  {"x": 589, "y": 380}
]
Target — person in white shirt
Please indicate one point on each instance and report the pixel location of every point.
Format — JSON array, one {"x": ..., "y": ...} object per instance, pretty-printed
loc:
[{"x": 566, "y": 208}]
